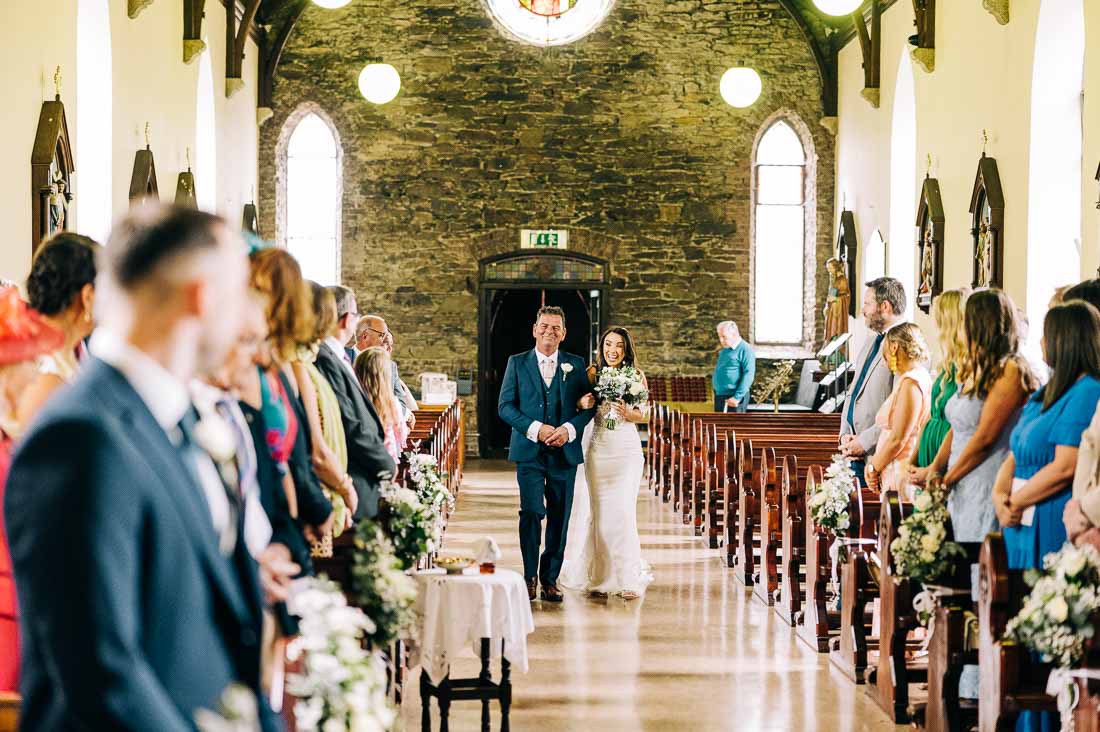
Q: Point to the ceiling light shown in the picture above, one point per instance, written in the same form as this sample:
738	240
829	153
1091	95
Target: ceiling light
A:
834	7
379	83
740	86
331	4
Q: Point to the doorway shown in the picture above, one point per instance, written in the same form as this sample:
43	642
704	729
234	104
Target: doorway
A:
510	297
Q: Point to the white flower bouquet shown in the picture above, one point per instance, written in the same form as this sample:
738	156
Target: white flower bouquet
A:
921	551
413	528
429	484
623	384
1056	617
382	590
341	686
828	503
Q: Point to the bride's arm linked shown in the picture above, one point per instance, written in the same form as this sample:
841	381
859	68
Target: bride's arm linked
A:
588	401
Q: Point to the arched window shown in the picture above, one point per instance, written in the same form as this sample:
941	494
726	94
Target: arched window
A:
206	138
779	240
1054	178
901	255
93	184
874	263
311	191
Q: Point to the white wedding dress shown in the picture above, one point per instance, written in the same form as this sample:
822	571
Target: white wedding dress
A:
602	550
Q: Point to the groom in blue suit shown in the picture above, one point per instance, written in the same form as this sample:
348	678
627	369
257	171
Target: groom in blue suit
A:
538	398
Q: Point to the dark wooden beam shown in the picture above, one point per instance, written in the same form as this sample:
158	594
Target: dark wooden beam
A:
824	58
870	45
924	18
282	20
193	44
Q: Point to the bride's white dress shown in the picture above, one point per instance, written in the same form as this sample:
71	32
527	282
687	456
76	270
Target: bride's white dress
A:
602	550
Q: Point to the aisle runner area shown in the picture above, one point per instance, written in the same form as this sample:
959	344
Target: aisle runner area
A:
697	653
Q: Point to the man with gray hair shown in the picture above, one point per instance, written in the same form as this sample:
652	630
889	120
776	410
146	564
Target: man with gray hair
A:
735	370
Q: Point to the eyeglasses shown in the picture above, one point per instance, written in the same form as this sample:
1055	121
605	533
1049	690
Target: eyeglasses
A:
363	333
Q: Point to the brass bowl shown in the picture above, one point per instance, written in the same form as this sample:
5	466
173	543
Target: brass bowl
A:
454	565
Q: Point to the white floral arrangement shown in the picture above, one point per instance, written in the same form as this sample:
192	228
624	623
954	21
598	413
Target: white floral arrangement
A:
428	482
624	384
1056	617
382	589
921	551
342	686
828	503
238	711
414	528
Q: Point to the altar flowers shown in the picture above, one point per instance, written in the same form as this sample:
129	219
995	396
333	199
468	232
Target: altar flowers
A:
623	384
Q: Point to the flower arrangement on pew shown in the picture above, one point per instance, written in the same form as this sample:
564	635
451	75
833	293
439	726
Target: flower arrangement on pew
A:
342	685
921	551
623	384
237	711
413	527
429	484
829	501
382	589
1056	617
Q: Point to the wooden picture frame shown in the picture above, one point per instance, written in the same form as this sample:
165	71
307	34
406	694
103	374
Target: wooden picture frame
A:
987	217
143	180
930	237
847	251
52	168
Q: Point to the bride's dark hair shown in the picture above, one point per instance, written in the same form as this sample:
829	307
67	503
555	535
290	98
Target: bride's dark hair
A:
629	354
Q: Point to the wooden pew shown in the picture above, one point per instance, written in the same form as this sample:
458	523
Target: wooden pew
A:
792	591
818	625
851	652
10	703
1011	681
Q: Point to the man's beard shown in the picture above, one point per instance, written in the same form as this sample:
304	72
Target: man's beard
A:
876	322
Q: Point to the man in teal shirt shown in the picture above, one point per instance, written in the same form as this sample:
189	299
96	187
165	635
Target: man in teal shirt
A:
735	370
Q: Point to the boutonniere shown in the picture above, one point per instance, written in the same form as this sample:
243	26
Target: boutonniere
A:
566	369
215	437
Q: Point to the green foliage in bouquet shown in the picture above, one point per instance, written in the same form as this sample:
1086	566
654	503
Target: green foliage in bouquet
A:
411	526
382	590
921	552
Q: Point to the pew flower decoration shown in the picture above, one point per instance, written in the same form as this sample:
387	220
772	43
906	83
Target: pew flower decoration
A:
341	685
237	711
829	500
922	552
413	527
1055	620
429	484
382	590
624	384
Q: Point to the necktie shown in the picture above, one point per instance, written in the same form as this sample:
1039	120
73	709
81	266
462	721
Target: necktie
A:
863	377
546	366
246	471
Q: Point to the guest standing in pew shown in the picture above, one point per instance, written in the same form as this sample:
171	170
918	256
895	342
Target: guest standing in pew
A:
24	335
948	310
330	448
368	460
735	370
1082	513
906	353
883	308
133	615
290	323
372	368
401	391
61	286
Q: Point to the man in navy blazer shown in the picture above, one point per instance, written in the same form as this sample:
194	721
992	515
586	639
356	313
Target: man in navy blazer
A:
139	601
538	398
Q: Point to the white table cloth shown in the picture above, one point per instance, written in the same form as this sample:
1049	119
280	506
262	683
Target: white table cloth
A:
455	612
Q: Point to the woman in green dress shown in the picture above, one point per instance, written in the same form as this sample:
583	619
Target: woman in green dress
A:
948	311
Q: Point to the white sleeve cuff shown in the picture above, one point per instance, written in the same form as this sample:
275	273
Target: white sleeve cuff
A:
571	430
533	431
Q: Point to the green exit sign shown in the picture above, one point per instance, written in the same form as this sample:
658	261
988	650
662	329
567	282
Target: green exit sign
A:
543	239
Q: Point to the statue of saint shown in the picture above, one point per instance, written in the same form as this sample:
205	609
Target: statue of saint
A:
59	203
927	268
838	301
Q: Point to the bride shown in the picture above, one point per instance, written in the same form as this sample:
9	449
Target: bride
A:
603	554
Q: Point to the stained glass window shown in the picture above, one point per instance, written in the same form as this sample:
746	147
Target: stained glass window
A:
549	22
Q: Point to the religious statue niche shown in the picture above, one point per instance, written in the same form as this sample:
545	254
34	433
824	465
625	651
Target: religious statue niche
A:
51	170
847	251
143	180
185	187
987	212
548	8
930	229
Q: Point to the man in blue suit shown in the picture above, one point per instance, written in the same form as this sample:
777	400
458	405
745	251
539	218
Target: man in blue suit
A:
538	398
139	601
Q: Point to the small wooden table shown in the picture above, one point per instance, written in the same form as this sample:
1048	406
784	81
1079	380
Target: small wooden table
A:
482	687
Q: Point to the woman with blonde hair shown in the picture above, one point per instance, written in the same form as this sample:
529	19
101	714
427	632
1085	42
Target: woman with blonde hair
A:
949	312
906	353
375	373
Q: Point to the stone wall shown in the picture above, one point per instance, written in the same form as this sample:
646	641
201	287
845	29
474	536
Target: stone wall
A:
621	138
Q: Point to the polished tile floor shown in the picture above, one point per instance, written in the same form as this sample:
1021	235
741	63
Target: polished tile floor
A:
697	653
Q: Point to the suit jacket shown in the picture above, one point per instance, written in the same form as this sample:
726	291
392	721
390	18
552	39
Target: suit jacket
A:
313	507
367	456
875	390
521	403
132	618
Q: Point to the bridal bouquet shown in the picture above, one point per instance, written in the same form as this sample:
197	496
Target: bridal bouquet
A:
411	526
623	384
921	551
1055	620
341	685
382	590
829	501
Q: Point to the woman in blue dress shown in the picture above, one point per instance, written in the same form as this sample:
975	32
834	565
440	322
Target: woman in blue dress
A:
1034	484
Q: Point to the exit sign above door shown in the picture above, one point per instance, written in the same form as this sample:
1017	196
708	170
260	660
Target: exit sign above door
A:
543	239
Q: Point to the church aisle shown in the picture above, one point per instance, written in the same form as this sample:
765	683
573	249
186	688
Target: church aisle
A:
697	653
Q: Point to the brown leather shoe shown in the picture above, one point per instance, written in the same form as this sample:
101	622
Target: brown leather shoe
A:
551	593
532	586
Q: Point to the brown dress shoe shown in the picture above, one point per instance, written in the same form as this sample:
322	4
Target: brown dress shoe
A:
551	593
532	586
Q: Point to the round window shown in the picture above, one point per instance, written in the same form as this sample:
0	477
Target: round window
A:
549	22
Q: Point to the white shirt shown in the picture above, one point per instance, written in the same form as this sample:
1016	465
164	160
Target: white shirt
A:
168	399
338	348
533	430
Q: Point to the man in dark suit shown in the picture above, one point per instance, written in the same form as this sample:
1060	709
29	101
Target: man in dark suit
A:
538	398
367	456
139	600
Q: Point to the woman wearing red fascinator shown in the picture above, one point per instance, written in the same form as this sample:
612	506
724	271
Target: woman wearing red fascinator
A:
23	337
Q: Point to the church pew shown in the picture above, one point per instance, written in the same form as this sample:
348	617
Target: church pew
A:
851	651
818	624
792	591
10	703
1011	681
